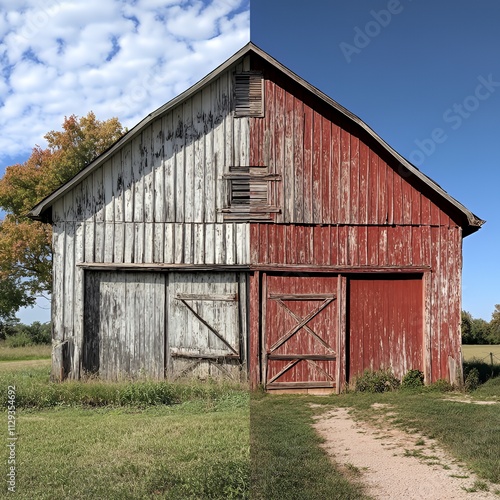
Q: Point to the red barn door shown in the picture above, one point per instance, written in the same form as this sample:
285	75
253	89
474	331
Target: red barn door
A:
385	315
299	332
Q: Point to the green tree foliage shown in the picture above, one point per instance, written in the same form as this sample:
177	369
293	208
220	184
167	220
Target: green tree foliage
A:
467	328
12	296
20	335
479	331
25	245
494	335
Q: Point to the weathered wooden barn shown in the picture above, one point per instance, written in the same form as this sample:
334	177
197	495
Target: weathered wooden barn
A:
254	228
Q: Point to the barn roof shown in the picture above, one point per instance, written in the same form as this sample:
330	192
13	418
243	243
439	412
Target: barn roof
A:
41	211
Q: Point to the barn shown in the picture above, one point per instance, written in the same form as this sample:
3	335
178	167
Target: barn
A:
254	229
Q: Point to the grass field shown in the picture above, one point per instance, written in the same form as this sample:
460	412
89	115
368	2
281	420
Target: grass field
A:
186	451
24	353
470	432
209	440
481	352
121	441
287	462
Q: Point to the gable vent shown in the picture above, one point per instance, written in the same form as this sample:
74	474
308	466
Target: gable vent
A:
249	94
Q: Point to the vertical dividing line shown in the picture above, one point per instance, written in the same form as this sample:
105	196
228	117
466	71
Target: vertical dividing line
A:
166	360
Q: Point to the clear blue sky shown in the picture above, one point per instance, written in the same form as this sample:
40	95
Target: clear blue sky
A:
408	67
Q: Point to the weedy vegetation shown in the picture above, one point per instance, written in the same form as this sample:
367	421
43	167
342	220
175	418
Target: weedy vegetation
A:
183	440
33	352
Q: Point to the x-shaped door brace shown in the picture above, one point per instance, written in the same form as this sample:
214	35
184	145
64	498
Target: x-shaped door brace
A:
228	298
302	322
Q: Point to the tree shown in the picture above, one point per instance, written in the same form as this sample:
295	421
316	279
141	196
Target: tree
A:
25	245
494	335
474	330
480	331
12	296
466	326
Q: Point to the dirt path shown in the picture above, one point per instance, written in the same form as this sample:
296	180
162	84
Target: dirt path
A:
390	462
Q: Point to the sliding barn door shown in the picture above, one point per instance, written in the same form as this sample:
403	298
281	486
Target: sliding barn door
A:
300	326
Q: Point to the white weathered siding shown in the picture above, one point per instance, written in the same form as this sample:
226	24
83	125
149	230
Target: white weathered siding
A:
156	200
124	324
200	304
155	324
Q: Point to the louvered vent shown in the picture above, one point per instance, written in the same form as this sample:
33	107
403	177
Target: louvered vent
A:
248	193
248	94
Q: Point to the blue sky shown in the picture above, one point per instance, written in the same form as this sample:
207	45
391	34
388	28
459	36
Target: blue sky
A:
425	75
411	69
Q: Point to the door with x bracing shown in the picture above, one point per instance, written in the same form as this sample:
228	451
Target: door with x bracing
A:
206	325
299	331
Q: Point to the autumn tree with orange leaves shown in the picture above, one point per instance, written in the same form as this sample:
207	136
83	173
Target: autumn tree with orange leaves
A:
25	245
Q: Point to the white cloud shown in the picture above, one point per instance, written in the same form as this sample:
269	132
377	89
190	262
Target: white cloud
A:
116	57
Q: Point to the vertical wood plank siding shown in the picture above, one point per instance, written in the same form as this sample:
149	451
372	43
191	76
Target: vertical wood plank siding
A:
366	246
344	203
166	189
331	174
124	325
385	324
156	200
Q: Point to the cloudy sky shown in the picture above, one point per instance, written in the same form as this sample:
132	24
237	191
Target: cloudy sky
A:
115	57
121	58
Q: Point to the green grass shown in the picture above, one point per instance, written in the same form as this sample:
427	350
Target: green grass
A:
192	450
33	390
481	352
489	390
151	439
287	462
129	439
24	353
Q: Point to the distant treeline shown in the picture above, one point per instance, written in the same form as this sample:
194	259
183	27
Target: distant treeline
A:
17	334
480	331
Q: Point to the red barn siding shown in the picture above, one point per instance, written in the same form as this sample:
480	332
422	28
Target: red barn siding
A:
385	324
346	207
307	356
330	173
352	249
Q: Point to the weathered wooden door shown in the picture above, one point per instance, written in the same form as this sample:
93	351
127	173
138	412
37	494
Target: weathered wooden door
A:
207	325
300	339
385	324
124	324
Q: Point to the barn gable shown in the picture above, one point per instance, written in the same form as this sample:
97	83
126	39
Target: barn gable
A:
272	232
